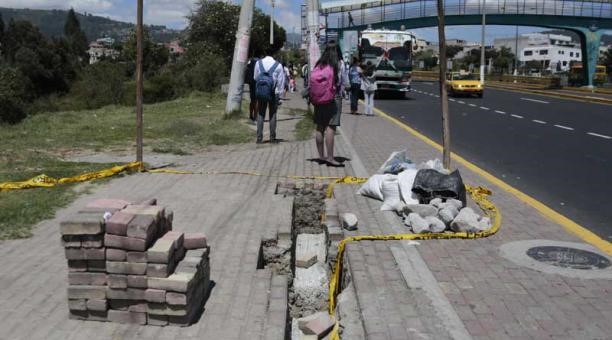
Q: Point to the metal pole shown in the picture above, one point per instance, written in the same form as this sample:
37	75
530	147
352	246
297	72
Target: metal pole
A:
313	36
272	24
516	52
443	95
241	54
482	47
139	82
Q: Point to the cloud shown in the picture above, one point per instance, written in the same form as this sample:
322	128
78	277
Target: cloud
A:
78	5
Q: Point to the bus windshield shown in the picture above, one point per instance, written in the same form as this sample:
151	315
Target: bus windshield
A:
400	56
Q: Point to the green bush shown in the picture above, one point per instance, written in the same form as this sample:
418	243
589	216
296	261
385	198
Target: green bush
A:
160	88
101	84
12	96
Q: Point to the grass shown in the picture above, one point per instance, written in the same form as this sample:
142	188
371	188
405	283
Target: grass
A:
34	147
305	127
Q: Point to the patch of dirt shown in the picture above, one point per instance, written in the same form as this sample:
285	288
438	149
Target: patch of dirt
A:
308	206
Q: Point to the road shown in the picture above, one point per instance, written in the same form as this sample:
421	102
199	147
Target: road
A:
555	150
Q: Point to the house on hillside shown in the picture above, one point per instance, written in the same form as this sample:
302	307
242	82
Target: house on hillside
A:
100	49
175	48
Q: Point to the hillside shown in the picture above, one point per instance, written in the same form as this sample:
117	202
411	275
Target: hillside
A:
51	24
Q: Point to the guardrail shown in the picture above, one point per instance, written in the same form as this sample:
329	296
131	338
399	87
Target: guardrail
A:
546	82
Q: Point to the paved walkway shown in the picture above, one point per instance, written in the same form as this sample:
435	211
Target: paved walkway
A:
436	290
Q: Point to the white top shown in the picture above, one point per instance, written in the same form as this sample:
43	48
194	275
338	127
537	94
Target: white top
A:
279	73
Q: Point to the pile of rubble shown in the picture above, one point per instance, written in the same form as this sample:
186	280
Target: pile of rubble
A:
439	216
125	264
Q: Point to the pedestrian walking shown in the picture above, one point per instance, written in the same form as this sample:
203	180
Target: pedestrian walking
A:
355	74
342	80
324	91
249	78
368	86
269	86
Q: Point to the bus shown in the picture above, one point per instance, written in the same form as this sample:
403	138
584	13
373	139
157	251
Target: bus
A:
390	52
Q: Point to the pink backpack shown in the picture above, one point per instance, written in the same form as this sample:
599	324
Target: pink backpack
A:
322	85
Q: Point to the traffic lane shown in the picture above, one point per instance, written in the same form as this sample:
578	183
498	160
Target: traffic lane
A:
593	119
568	174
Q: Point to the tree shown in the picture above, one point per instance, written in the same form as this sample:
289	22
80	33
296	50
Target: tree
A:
504	60
154	55
452	50
75	36
1	30
12	95
606	58
214	23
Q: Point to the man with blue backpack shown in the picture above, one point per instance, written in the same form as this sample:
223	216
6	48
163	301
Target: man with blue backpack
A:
269	86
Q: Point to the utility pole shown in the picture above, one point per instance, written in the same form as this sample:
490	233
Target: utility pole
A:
241	54
139	82
314	51
446	159
272	24
516	53
482	47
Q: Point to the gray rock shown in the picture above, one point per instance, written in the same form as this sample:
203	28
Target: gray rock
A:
448	214
419	225
423	210
436	202
457	203
466	221
484	224
349	221
435	224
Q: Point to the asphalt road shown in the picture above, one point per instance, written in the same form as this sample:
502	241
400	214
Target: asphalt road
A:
555	150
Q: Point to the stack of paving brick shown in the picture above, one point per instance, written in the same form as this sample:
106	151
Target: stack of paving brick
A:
122	258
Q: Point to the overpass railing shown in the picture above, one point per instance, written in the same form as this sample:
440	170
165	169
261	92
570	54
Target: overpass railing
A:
381	11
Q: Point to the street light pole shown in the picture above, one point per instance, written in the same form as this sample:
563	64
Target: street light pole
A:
139	80
241	54
313	33
516	52
482	47
272	24
446	159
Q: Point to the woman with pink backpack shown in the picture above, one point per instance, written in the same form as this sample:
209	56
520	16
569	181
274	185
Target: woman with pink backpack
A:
324	85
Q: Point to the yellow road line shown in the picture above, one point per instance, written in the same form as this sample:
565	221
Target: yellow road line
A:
556	217
584	99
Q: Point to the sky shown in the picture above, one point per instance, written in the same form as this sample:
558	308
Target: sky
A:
172	13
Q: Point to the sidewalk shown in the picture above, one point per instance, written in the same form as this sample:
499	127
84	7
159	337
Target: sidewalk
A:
435	290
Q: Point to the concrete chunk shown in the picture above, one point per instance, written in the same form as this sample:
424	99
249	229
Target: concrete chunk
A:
320	325
309	249
349	221
83	224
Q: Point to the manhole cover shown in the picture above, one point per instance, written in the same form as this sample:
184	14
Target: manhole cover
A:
568	257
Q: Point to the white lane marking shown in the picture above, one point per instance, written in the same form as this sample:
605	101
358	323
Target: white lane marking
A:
598	135
484	108
472	105
517	116
461	102
437	96
501	112
564	127
452	100
535	100
539	121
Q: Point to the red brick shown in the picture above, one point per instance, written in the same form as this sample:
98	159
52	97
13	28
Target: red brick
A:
318	324
137	256
138	306
142	226
127	317
137	281
85	278
155	295
173	298
175	236
126	294
97	305
92	241
118	223
194	240
96	266
159	270
77	266
122	242
161	251
113	254
117	281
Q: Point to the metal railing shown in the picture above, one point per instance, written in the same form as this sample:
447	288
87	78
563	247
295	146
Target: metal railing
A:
372	13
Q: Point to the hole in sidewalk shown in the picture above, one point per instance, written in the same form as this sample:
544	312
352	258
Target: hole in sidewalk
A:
566	257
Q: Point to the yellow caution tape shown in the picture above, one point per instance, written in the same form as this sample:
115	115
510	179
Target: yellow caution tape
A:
478	194
44	181
343	180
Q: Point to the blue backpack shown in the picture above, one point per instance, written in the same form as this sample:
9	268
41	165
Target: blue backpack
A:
354	75
264	86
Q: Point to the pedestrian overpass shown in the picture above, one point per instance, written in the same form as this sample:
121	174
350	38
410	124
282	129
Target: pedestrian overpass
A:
588	18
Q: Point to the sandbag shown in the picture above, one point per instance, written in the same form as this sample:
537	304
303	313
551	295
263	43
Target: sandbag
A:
406	181
430	184
396	163
391	194
373	187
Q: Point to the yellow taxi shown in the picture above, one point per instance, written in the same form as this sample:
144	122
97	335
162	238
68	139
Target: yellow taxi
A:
463	83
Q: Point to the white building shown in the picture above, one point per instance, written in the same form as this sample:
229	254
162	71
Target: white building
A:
554	51
98	50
